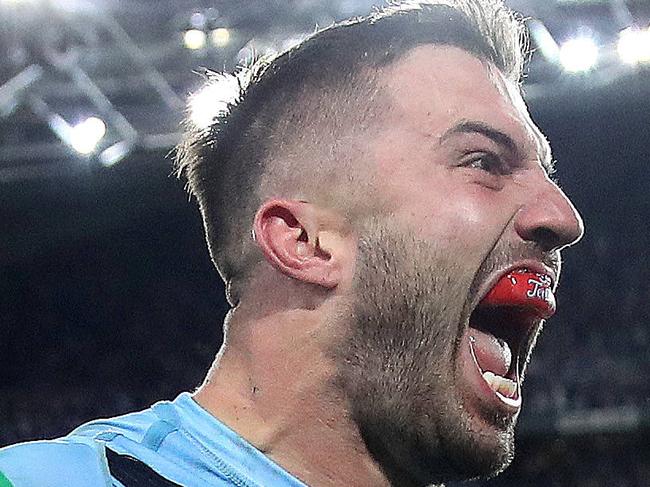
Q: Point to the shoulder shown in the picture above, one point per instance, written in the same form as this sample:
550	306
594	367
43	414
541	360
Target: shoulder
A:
78	459
77	462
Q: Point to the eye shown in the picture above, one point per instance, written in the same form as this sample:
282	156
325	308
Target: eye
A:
485	161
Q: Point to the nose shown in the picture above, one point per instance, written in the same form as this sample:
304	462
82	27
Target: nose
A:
548	218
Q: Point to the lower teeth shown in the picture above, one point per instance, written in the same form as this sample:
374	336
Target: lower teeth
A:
505	387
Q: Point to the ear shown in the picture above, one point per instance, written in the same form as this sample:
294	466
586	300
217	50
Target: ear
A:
290	234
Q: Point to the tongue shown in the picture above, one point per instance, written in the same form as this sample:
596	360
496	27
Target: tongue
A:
491	355
523	289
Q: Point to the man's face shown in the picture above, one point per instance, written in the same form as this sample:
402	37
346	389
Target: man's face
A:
465	197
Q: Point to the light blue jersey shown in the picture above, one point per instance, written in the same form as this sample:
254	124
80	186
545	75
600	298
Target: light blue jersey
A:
171	443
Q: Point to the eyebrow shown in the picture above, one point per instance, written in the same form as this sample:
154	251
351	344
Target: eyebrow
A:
499	138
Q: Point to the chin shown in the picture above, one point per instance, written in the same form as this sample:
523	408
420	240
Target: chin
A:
472	454
479	454
421	448
473	442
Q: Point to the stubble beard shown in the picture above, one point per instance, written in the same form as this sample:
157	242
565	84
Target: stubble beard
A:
398	365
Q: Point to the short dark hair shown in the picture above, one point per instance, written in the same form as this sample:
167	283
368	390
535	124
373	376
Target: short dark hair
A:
281	133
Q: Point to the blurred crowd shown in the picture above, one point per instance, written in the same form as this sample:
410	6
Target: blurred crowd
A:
106	327
593	460
596	353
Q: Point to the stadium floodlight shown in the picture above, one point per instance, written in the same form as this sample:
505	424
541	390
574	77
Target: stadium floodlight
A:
544	40
220	37
634	45
197	20
213	100
115	153
579	55
85	136
194	39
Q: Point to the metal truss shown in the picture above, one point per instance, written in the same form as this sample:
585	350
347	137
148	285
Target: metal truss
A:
123	61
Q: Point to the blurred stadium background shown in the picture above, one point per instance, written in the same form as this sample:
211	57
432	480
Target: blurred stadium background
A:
108	300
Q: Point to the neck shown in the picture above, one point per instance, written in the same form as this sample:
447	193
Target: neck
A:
273	385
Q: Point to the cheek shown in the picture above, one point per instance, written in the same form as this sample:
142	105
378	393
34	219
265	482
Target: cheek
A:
457	219
435	202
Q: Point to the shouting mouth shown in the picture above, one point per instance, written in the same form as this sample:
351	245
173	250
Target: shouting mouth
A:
502	332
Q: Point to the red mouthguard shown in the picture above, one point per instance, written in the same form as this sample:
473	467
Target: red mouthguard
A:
524	289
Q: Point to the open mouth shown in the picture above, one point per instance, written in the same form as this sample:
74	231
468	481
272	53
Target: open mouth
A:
503	327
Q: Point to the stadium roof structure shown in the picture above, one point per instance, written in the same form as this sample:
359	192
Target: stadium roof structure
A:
120	71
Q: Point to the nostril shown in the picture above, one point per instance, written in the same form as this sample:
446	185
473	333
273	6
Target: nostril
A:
546	238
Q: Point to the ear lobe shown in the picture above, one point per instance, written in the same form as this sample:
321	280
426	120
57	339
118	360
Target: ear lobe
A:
287	234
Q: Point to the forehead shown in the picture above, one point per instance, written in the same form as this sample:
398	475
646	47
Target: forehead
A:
433	87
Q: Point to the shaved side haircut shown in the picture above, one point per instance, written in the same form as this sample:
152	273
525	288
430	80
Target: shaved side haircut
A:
293	128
